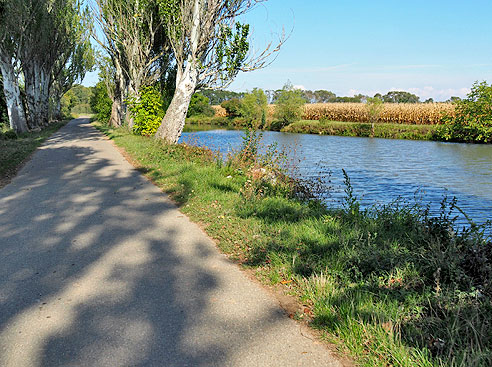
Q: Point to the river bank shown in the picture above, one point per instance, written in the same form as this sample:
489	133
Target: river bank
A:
324	127
391	285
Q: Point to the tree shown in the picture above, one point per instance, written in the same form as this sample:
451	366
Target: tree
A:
210	47
12	26
254	107
200	105
78	58
288	108
131	29
472	122
100	102
400	97
217	96
374	108
324	96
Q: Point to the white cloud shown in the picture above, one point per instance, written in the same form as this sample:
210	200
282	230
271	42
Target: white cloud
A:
300	87
439	94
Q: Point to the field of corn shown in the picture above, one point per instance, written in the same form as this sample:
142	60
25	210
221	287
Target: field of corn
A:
395	113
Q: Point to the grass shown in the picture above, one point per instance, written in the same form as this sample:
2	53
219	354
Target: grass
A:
390	286
381	130
16	150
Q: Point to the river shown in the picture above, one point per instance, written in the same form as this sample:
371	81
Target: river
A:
381	170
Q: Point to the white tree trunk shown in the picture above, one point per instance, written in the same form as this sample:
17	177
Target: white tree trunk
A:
15	109
173	122
44	100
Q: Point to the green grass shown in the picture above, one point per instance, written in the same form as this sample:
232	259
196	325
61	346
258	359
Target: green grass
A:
381	130
390	286
13	152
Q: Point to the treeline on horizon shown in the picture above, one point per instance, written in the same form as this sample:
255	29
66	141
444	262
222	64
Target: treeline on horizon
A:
216	97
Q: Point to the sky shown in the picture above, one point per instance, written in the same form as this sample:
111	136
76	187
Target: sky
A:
435	49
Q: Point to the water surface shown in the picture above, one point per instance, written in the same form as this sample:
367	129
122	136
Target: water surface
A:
382	170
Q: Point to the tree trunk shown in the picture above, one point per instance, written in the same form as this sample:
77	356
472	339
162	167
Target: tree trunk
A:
44	100
173	122
33	93
15	109
116	114
56	114
186	80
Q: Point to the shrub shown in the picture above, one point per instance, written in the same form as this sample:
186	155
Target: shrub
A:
146	111
100	102
199	105
9	135
473	120
232	107
254	108
289	105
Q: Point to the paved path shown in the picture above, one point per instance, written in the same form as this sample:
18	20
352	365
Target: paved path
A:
98	268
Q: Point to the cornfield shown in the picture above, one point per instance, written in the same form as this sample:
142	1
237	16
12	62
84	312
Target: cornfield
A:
396	113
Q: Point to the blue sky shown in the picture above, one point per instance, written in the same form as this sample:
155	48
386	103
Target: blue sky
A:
432	48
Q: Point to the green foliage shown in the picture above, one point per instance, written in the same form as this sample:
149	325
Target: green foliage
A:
254	108
374	108
77	99
231	50
473	120
218	96
8	135
400	97
232	107
100	102
289	105
199	105
146	111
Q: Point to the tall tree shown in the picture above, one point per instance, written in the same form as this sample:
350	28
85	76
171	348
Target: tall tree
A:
12	26
210	47
130	30
76	60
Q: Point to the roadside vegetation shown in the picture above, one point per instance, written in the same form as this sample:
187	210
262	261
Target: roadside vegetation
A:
391	285
16	148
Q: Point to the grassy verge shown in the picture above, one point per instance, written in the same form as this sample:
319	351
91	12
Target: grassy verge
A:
391	286
381	130
15	149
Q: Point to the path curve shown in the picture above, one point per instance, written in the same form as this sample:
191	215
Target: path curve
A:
99	268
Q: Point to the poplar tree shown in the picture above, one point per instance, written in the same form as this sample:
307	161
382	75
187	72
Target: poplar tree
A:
210	47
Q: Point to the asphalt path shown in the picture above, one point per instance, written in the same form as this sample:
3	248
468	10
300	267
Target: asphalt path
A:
99	268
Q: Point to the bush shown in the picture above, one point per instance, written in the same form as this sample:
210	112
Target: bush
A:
289	105
8	135
100	102
146	111
232	107
254	108
199	105
473	120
